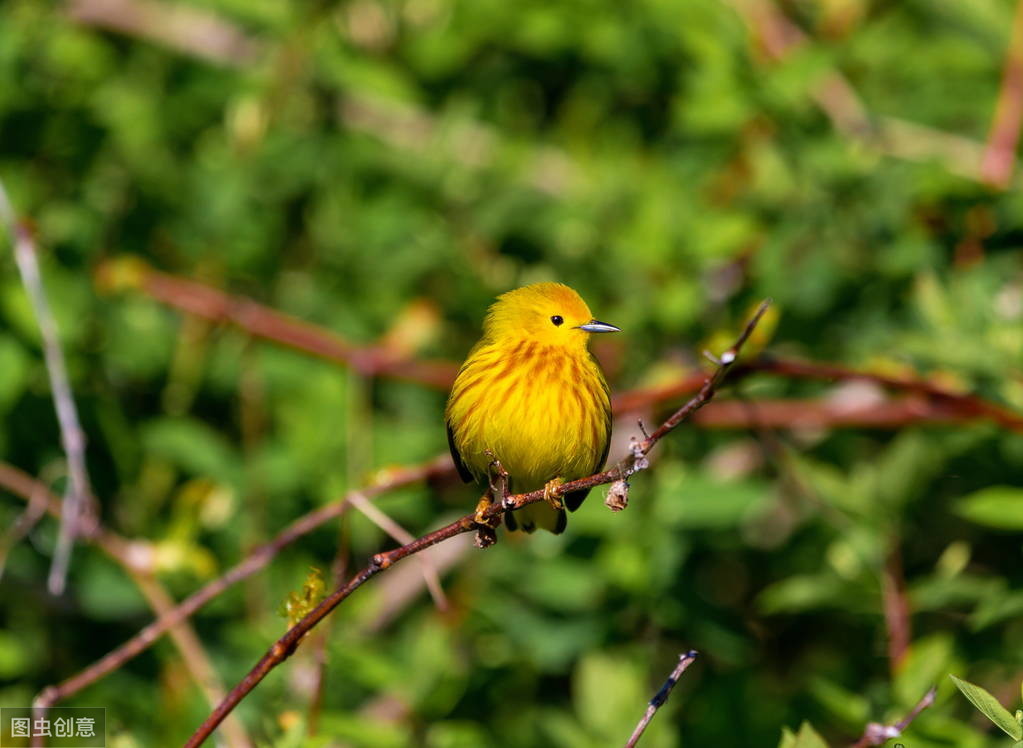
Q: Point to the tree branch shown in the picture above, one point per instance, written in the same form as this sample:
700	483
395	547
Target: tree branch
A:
286	645
684	661
825	413
953	402
261	321
940	405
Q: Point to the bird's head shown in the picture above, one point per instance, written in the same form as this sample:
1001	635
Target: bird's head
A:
548	313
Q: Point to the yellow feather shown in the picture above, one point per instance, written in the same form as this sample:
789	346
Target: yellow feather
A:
531	393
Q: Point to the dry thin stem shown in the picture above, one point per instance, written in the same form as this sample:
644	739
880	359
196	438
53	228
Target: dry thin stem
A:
399	533
77	498
286	645
1000	154
684	661
878	734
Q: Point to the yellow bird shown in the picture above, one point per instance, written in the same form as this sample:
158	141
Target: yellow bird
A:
530	395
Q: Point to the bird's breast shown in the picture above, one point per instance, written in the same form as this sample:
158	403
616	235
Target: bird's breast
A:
542	412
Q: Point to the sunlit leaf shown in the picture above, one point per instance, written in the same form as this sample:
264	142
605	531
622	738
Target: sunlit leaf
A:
990	708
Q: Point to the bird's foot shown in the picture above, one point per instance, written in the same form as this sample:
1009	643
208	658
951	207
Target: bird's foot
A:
552	491
480	518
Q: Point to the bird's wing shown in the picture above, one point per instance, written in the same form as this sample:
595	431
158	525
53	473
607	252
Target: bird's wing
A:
463	470
575	499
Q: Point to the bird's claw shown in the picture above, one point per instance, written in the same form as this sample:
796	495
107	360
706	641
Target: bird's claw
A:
481	509
551	491
480	518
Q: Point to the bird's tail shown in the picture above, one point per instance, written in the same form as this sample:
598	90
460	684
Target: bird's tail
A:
539	514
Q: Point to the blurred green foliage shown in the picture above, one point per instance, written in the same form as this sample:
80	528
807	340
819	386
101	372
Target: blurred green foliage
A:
388	167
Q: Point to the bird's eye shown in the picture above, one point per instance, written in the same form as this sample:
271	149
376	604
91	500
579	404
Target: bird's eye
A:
557	319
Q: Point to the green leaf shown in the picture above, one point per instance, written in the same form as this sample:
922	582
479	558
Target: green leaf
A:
990	708
998	506
807	737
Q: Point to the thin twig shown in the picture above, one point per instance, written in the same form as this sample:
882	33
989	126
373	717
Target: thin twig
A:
77	498
1000	155
878	734
252	563
399	533
684	661
286	645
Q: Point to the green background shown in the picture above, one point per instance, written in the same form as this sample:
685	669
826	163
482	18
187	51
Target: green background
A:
388	168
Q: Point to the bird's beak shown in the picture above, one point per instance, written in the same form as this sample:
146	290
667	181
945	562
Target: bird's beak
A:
597	326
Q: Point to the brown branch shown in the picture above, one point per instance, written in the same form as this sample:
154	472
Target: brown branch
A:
1000	155
878	734
286	645
684	661
252	563
261	321
822	414
953	405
